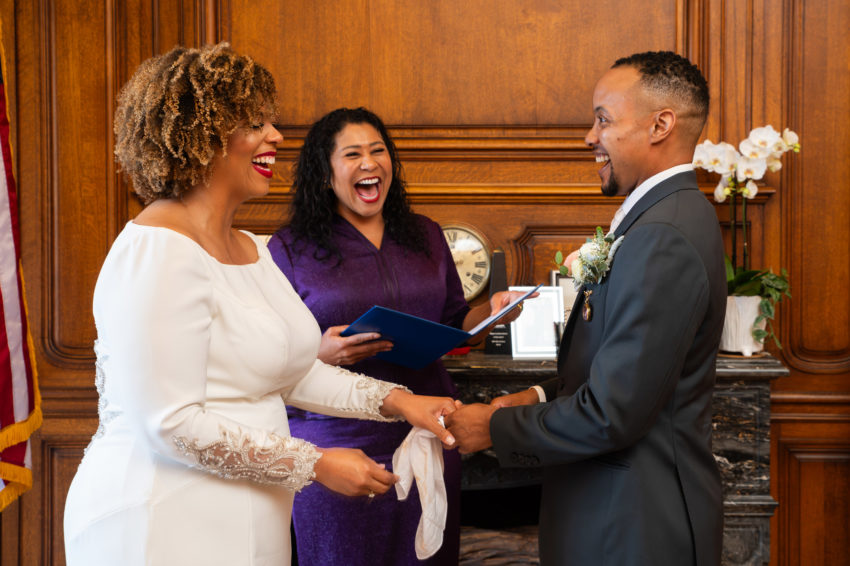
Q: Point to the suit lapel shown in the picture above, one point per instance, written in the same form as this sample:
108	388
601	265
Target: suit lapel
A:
681	181
686	180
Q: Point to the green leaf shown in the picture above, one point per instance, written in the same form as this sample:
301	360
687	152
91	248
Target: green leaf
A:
748	289
730	271
759	334
559	257
766	308
749	275
774	281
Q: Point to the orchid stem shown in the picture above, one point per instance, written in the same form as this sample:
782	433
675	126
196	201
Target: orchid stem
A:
746	259
733	221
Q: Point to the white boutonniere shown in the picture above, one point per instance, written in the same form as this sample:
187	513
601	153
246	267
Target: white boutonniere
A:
593	260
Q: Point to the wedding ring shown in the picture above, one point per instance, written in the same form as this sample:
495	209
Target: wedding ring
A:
371	495
520	306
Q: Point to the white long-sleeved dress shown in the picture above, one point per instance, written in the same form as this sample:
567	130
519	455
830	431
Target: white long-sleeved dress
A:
193	462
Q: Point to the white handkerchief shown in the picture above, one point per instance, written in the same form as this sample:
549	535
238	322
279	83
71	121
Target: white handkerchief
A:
420	456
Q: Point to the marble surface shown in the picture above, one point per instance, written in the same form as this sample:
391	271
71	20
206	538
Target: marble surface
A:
741	440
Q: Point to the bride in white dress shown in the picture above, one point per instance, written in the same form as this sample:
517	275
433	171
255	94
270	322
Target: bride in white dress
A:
201	342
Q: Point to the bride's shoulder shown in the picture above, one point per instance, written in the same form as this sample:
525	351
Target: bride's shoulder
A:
166	213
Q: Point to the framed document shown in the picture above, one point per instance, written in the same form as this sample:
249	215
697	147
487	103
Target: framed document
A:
568	288
534	334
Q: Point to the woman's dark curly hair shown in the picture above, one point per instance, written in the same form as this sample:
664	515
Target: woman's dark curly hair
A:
179	109
314	203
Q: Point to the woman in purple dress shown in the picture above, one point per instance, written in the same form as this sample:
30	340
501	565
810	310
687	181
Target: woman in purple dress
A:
353	242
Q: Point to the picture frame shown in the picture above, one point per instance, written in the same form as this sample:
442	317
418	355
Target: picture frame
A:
535	334
567	285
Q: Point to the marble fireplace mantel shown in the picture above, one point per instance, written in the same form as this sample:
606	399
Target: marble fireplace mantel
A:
741	439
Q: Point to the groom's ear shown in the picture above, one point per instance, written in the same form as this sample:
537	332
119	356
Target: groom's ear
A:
663	122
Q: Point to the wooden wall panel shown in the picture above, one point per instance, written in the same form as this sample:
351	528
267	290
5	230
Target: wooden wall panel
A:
810	467
821	210
77	151
445	63
489	104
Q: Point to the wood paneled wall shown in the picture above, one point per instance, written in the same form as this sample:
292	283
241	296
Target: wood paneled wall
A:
489	102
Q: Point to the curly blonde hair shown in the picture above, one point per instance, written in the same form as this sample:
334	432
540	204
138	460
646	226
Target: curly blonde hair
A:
179	109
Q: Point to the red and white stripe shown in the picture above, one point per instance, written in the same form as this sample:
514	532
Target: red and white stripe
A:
20	413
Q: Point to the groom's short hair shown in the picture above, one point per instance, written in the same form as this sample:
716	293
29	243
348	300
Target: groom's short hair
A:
674	80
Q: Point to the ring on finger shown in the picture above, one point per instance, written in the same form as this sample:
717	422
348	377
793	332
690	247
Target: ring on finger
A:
371	495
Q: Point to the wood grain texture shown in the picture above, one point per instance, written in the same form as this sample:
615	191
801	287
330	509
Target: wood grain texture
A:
821	210
445	63
810	471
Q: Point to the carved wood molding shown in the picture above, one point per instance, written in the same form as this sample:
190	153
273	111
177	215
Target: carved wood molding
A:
810	471
799	253
56	149
57	450
535	236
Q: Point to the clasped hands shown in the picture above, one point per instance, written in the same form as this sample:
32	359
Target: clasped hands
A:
470	424
467	428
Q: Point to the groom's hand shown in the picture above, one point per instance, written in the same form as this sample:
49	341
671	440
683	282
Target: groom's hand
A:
527	397
470	425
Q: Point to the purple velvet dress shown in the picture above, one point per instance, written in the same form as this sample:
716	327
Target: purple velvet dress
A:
331	529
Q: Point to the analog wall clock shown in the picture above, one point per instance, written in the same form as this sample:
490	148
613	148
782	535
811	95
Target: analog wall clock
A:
471	256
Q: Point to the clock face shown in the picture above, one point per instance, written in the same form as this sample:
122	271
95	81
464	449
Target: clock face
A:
471	256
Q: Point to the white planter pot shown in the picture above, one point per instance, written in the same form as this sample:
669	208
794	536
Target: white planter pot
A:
737	335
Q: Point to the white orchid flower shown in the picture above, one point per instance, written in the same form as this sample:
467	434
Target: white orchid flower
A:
791	139
720	190
723	158
702	155
750	190
767	138
753	151
750	168
773	164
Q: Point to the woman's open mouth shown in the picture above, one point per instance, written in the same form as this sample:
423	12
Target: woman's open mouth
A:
368	189
263	163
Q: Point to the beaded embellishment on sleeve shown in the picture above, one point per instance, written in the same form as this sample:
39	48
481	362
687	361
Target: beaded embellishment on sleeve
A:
288	462
375	391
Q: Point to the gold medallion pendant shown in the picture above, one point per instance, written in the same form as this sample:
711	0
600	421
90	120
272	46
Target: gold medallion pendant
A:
586	312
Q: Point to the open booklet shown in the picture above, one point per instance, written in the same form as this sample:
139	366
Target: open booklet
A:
416	341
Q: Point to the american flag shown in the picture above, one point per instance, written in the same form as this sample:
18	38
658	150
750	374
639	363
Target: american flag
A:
20	403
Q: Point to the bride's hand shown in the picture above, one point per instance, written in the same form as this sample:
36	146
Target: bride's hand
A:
351	472
421	410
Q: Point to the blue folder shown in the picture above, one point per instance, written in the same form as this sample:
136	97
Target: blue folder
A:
417	341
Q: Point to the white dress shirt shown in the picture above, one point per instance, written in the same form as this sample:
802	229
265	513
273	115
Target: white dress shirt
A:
642	189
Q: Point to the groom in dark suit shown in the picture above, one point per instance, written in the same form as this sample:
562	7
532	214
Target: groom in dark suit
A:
624	433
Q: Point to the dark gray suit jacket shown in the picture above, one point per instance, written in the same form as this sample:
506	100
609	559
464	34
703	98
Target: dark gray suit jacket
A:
625	442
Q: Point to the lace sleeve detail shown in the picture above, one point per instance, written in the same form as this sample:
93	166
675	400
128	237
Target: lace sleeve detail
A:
375	390
287	462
